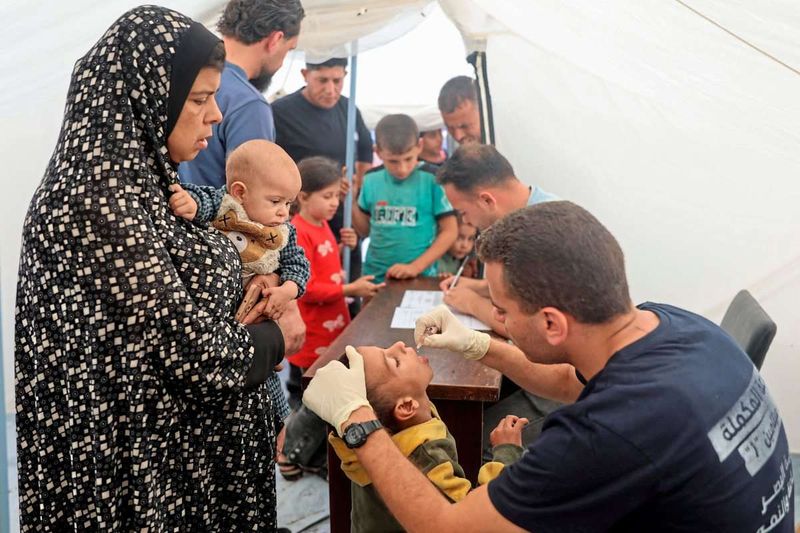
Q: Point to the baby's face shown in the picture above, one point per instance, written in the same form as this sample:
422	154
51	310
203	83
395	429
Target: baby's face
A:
397	368
268	201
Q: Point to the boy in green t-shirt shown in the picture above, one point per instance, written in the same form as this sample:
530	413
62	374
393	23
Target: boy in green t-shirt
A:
401	207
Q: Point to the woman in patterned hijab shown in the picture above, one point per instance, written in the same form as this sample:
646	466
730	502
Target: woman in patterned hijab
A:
140	401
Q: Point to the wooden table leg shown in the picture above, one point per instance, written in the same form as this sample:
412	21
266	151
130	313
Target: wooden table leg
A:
338	494
464	419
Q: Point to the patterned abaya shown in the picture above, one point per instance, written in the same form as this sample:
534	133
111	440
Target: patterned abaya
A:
137	402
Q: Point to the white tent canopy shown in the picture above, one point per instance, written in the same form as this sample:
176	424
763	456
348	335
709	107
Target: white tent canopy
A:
676	123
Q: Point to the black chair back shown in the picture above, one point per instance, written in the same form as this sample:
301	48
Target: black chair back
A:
751	327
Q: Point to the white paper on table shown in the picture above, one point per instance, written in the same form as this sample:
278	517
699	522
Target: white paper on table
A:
421	299
406	317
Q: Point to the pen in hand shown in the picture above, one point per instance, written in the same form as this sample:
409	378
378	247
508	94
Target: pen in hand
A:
459	271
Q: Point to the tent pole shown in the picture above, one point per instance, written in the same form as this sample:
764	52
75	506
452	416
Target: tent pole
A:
350	152
478	62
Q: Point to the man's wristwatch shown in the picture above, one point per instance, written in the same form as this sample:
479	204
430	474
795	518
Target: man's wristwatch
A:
355	435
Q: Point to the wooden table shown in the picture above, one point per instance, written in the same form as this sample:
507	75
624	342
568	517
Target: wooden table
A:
459	387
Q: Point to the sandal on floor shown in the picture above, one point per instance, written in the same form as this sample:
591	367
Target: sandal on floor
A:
289	471
321	471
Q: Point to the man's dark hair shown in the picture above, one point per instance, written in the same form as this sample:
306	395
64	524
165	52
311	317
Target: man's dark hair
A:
557	254
249	21
475	165
318	172
217	58
396	133
332	62
455	91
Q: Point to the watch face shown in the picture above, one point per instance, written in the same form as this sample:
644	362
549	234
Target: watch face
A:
354	435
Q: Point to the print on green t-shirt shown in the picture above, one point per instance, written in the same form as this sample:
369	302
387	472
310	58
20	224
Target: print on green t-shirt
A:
403	218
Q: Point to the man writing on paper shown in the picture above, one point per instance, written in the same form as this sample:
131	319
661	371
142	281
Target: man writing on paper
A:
481	186
673	429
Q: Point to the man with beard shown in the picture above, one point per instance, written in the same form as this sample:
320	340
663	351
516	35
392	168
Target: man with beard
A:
257	34
313	121
458	104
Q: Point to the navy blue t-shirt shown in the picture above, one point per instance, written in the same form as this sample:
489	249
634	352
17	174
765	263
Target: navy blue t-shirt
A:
677	433
305	130
246	116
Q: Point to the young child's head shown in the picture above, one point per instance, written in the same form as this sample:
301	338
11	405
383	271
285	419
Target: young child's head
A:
465	241
264	179
319	196
398	144
396	379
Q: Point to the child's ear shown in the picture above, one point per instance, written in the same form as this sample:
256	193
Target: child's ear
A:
237	189
405	408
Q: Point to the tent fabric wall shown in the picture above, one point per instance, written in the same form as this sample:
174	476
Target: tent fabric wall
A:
680	138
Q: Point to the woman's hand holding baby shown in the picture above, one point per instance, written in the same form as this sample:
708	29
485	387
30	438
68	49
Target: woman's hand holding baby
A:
508	431
251	309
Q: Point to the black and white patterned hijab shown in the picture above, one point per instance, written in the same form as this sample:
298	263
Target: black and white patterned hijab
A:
130	368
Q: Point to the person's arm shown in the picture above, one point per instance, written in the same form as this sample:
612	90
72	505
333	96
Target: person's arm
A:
363	149
292	328
416	503
361	214
481	286
208	201
447	235
269	348
467	301
361	169
293	263
555	382
506	440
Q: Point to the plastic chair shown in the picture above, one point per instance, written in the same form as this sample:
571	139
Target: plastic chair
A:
750	326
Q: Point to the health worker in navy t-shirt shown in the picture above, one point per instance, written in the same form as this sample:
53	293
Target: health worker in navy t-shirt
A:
670	427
